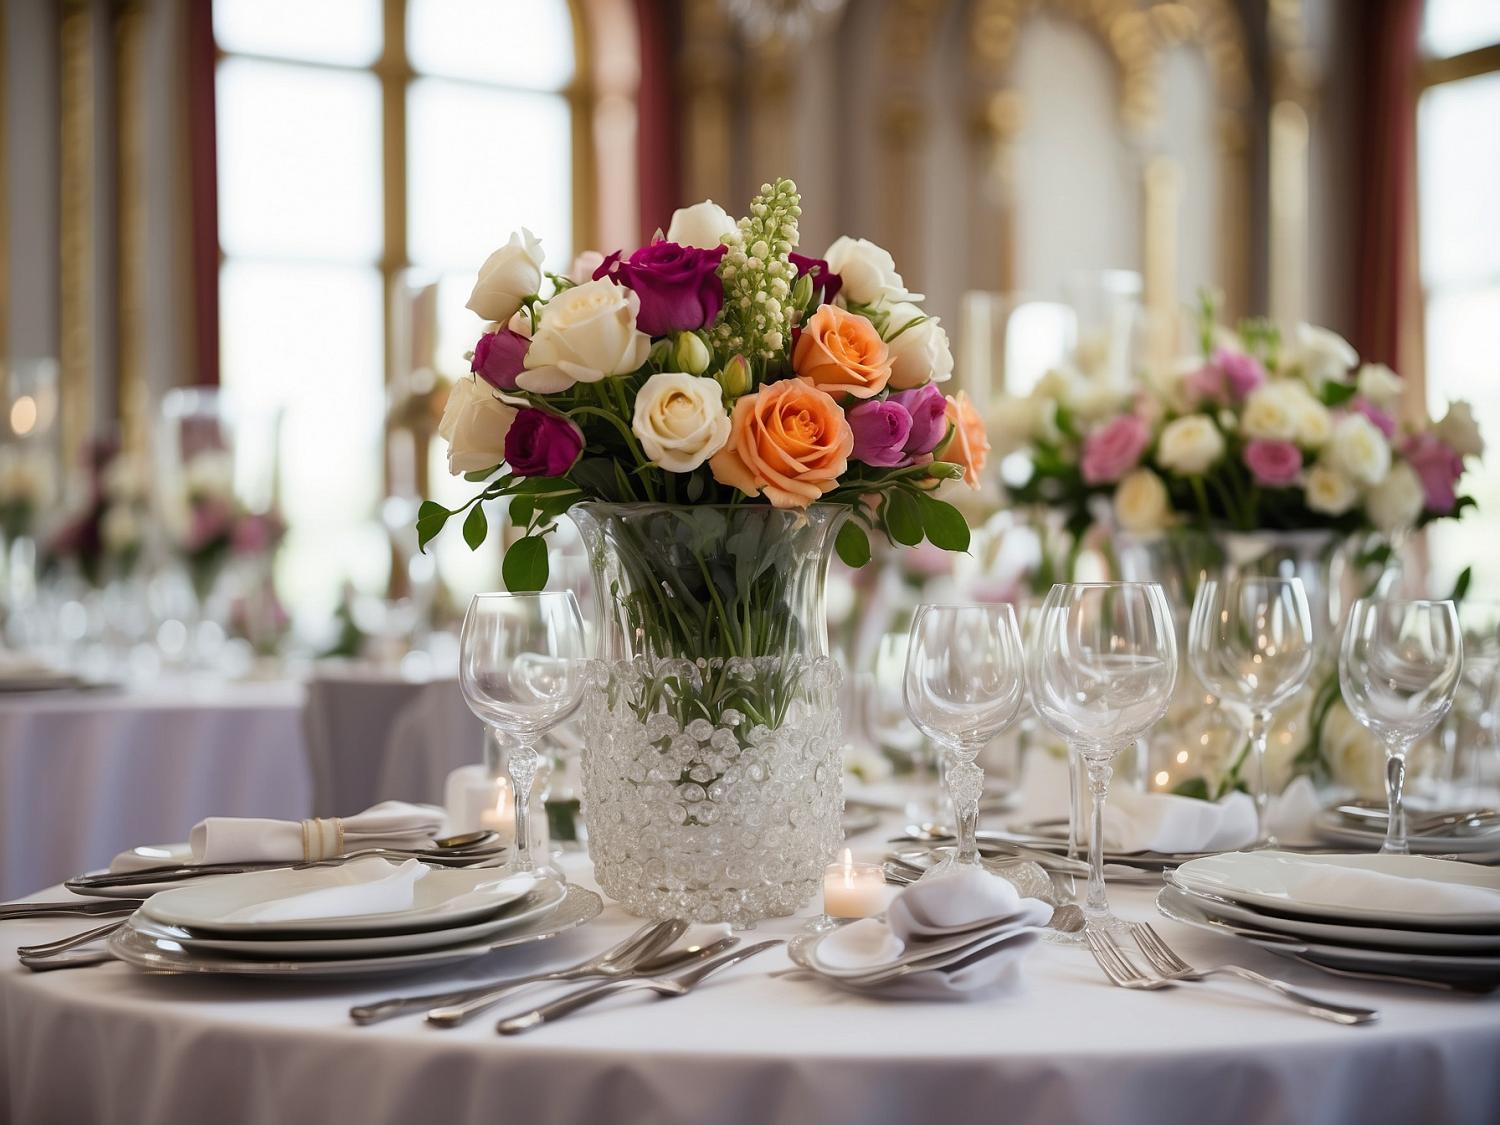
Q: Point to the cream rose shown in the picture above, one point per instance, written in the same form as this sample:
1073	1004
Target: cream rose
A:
119	530
586	333
1141	503
1459	432
474	425
868	272
508	276
210	474
1397	501
584	266
1310	418
680	420
1379	384
1190	446
919	353
1329	491
703	225
1359	450
1321	355
1271	412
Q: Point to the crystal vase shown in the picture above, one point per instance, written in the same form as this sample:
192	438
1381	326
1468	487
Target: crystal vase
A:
711	764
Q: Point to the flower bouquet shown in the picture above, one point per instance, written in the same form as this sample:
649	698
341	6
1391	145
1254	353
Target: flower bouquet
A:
218	527
715	412
105	536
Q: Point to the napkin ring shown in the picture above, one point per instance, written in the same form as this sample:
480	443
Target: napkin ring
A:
315	843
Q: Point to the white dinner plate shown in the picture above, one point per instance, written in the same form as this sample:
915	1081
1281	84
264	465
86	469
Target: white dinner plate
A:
443	896
1052	836
161	956
1333	827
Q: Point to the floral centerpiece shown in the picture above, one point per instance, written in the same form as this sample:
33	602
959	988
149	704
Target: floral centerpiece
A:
216	526
25	490
715	411
105	534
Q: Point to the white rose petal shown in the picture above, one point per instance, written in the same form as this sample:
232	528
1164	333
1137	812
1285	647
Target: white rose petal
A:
703	225
1359	450
1396	502
119	530
868	272
1321	355
680	420
586	333
1190	446
1329	491
1379	384
210	475
474	424
508	276
1459	432
584	266
919	354
1141	503
1271	412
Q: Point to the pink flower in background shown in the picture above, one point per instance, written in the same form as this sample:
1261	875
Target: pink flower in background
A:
881	428
210	521
826	283
679	286
253	535
1274	464
1228	377
1114	449
1383	421
929	417
539	444
499	357
1438	467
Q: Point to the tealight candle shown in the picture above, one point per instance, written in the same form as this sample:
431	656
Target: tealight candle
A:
500	816
853	890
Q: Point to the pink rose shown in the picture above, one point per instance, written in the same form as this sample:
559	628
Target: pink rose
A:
539	444
1438	467
1274	464
1228	377
679	286
499	357
1383	421
1114	449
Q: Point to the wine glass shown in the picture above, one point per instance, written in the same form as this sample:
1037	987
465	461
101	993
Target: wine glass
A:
964	685
522	669
1250	642
1101	674
1477	736
1399	667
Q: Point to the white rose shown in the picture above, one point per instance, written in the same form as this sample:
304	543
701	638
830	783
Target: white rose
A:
1459	432
680	420
1359	450
868	272
919	354
1141	502
1396	502
1190	446
703	225
1271	412
474	425
1311	421
586	333
210	475
1322	355
584	266
125	479
1355	756
119	530
1379	384
1329	491
508	276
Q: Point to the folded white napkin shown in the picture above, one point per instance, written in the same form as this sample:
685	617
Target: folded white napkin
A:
866	944
363	886
390	824
937	905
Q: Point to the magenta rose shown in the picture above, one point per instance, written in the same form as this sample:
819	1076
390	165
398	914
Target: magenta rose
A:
881	428
499	357
929	418
1382	421
1228	377
1438	467
1114	449
679	286
1274	464
540	444
826	283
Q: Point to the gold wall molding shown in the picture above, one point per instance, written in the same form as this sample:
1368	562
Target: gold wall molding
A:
76	234
708	73
133	402
1293	98
4	216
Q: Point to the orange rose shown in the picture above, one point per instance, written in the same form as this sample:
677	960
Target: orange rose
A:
788	440
841	353
970	445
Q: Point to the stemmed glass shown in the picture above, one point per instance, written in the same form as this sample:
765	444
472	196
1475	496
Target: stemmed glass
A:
1250	642
1101	675
522	665
1399	667
964	685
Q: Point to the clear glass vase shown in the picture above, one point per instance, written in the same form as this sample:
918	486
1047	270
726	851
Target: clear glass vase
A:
711	764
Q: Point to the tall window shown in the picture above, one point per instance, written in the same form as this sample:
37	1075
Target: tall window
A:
1458	166
328	203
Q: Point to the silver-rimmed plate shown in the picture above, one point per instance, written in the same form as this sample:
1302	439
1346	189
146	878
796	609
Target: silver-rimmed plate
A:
1052	836
1480	847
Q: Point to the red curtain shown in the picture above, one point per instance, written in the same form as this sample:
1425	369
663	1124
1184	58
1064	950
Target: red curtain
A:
1385	39
203	189
656	132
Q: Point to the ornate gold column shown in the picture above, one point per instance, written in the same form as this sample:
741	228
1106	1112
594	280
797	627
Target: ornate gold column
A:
771	79
1292	97
581	93
130	172
76	235
1163	182
707	78
394	73
4	221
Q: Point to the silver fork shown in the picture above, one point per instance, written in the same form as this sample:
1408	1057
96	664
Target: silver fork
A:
28	953
1173	967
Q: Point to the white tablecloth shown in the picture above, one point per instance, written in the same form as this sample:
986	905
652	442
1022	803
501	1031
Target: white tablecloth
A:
109	1044
84	775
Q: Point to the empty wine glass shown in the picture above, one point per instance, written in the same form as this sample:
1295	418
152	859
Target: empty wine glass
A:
1250	642
522	668
1029	611
964	685
1399	667
1101	675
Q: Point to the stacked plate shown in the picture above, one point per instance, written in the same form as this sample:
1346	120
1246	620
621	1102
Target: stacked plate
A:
1473	834
297	922
1415	919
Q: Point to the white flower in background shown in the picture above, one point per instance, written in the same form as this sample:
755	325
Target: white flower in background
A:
703	225
508	276
1141	503
210	475
474	425
1329	491
1355	756
586	333
126	479
120	530
1397	501
1311	420
1379	384
868	272
1459	432
1190	446
24	477
866	765
1321	355
583	268
1271	412
680	420
920	353
1359	450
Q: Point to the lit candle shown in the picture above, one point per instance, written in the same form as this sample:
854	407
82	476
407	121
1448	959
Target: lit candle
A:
853	890
501	815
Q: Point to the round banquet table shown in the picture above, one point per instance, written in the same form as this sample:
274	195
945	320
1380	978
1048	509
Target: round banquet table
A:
86	774
749	1047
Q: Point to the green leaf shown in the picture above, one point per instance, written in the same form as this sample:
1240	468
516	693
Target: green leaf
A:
476	527
945	470
853	545
521	509
525	567
945	525
431	517
480	474
1461	587
1192	787
1336	394
903	519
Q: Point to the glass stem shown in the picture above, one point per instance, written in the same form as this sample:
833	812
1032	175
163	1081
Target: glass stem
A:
1096	904
1260	727
522	768
965	784
1395	785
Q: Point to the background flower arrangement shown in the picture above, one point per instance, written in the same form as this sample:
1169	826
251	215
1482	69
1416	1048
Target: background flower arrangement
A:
105	534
